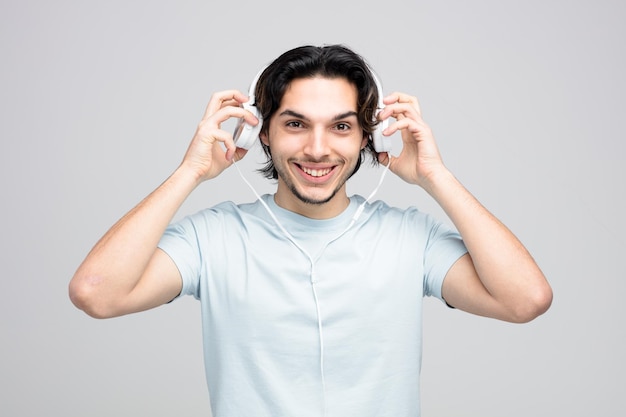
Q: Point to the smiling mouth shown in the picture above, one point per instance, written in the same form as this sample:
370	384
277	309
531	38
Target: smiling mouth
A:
316	172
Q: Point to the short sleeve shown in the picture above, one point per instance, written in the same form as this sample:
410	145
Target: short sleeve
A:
443	248
180	242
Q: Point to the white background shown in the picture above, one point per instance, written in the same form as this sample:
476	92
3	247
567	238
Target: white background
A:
99	99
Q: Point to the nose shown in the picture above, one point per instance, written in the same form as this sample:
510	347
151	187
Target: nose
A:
316	145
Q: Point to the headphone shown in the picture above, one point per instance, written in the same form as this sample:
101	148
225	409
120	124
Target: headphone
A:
246	135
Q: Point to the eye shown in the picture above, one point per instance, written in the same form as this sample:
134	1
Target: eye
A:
342	127
294	124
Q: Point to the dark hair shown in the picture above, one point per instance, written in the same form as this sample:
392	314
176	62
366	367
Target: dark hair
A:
329	61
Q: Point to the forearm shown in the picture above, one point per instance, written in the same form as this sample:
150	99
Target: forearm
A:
116	263
504	266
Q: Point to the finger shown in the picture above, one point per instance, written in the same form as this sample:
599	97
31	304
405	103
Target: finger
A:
222	143
399	111
398	97
221	115
239	154
407	124
226	144
218	99
384	158
230	103
234	153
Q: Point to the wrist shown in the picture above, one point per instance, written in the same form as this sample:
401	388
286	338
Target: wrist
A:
188	173
439	180
185	177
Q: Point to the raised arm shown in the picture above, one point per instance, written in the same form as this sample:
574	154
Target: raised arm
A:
498	278
125	272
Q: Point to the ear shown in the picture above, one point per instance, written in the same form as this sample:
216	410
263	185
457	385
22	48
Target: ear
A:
264	140
364	142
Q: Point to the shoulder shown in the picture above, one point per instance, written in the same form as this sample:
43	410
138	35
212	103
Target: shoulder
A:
224	211
382	211
379	214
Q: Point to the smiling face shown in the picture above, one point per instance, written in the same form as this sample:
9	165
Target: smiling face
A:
315	141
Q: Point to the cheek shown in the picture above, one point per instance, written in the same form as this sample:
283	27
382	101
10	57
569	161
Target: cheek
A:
355	145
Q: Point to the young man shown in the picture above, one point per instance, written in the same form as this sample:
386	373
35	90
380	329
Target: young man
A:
311	299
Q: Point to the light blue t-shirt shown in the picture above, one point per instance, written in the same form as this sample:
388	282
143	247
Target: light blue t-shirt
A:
327	324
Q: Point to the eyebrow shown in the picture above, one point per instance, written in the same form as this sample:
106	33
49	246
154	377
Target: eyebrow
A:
303	117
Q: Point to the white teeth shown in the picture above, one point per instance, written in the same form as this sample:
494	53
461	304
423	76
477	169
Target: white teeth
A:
316	172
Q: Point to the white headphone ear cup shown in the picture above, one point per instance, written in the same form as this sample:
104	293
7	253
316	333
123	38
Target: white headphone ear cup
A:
381	143
246	135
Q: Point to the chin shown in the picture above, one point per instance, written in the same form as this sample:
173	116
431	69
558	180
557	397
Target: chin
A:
313	199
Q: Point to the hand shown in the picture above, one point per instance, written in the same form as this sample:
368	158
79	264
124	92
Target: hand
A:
205	157
419	159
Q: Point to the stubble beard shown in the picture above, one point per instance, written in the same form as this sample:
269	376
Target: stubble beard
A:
291	185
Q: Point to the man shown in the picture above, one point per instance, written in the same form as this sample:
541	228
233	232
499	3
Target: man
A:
311	299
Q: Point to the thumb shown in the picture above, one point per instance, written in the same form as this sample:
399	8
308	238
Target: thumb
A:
384	158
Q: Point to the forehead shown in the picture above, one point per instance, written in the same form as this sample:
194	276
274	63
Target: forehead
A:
319	95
